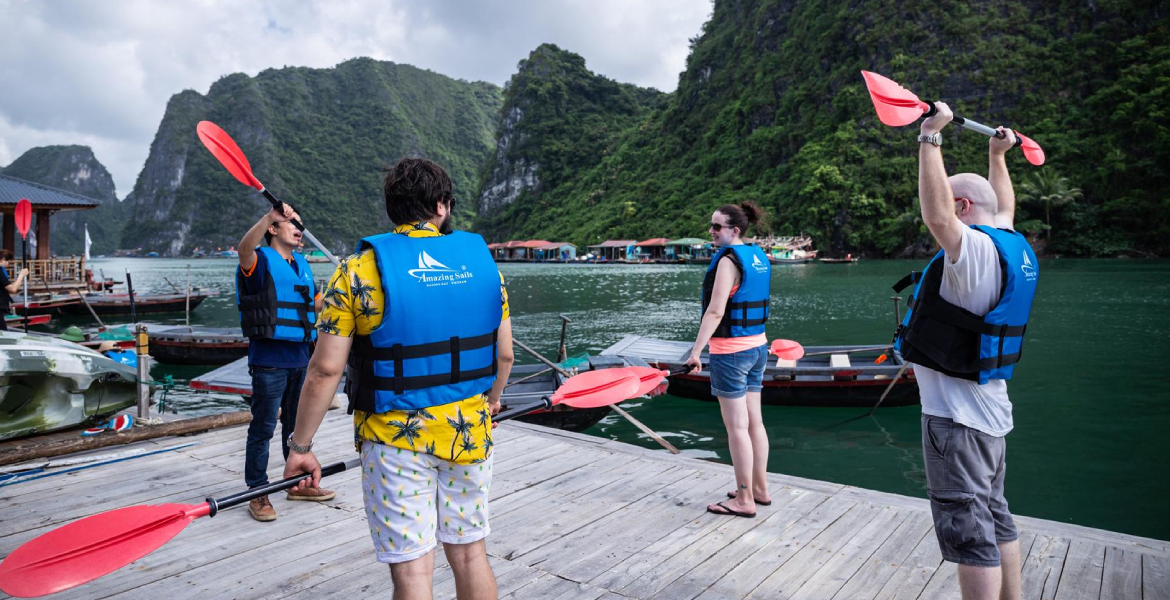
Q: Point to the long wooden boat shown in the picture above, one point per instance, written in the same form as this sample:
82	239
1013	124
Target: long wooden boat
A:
198	345
56	304
119	304
834	261
829	376
528	383
17	321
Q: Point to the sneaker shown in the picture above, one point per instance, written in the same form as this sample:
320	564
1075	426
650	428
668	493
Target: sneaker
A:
261	509
312	494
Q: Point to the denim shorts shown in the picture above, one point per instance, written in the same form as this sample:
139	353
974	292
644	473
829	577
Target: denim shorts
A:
734	375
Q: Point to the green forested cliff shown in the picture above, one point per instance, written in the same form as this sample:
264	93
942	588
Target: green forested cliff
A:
318	138
75	169
772	107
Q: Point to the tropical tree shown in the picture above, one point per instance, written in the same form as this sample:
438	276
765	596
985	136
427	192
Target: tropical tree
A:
1047	188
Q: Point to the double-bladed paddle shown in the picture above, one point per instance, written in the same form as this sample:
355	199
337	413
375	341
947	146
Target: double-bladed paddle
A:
897	106
97	545
224	149
23	222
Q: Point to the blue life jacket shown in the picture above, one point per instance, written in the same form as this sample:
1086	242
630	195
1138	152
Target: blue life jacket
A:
747	309
284	308
957	342
437	340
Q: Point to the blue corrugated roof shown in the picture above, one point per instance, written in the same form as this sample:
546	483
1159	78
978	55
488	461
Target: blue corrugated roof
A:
13	189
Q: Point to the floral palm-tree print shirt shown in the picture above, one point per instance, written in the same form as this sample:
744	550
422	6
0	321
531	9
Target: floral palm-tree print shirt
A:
461	431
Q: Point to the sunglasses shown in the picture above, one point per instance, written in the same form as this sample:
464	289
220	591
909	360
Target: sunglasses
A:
452	201
716	227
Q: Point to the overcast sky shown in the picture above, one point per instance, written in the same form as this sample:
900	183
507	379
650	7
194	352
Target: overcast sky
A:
100	73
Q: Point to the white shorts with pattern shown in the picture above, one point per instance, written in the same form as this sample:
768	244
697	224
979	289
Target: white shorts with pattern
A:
412	497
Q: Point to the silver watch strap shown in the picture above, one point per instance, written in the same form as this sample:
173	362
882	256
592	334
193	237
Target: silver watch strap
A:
297	448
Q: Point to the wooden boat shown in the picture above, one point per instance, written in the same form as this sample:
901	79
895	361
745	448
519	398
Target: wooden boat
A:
119	304
198	345
47	384
527	383
834	261
56	304
829	376
17	321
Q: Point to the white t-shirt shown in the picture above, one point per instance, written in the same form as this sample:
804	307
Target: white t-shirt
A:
973	282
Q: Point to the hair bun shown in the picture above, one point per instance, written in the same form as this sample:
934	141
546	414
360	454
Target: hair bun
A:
751	211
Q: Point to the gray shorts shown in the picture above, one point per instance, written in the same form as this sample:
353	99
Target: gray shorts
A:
964	477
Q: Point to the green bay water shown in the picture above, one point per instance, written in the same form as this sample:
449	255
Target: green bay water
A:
1090	397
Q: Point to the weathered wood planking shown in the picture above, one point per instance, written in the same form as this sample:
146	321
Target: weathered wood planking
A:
572	517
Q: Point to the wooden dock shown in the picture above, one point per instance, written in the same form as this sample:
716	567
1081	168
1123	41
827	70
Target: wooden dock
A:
573	517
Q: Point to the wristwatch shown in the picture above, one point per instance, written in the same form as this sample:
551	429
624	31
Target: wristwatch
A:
297	448
935	138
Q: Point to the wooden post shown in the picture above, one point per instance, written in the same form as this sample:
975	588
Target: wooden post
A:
43	234
10	232
189	298
142	349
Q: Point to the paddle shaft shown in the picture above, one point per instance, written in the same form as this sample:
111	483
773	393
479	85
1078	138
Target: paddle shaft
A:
279	206
24	253
973	126
889	387
91	310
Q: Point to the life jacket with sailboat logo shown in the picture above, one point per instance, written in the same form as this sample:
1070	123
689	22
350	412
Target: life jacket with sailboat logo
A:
284	308
957	342
747	309
437	340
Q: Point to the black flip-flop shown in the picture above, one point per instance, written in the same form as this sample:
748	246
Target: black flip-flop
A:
730	512
760	502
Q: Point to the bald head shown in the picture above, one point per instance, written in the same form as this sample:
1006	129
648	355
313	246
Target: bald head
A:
978	190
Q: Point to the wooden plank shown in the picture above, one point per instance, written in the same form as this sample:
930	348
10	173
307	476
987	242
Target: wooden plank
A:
840	561
913	574
1122	574
944	584
881	566
624	532
1080	578
1042	567
551	586
783	564
740	567
1155	577
679	542
689	572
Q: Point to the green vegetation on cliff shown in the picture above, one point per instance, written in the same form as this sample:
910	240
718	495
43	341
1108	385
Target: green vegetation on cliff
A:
772	108
318	138
75	169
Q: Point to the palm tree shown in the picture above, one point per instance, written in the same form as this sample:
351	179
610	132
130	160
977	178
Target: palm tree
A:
366	310
359	289
334	296
465	444
1047	188
409	429
460	425
327	325
421	413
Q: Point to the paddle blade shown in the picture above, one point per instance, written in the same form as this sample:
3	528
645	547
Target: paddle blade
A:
224	149
602	387
23	216
91	547
648	378
1032	151
786	349
895	105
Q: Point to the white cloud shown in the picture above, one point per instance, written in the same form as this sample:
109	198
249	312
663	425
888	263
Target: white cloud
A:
100	73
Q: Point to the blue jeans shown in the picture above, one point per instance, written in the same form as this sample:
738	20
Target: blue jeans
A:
734	375
275	390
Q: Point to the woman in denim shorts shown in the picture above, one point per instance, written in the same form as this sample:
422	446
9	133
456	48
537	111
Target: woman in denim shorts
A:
735	308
